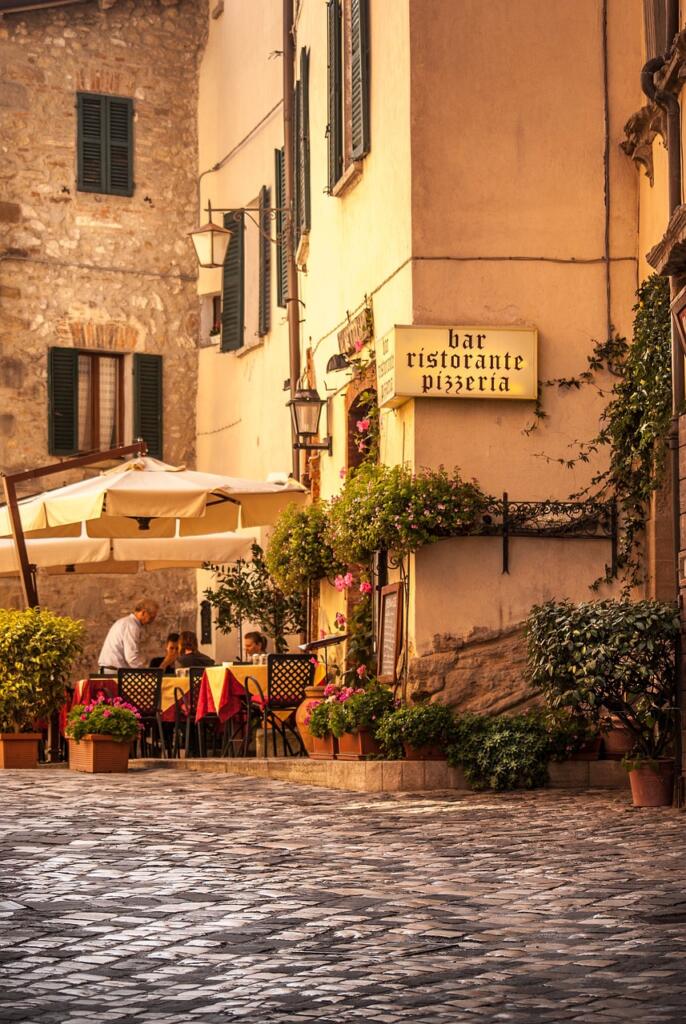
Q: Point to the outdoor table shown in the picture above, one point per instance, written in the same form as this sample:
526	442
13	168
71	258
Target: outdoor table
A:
223	687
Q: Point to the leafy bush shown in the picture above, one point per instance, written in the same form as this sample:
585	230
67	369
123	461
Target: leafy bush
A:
502	752
113	718
246	591
609	657
298	553
387	508
416	726
363	709
37	650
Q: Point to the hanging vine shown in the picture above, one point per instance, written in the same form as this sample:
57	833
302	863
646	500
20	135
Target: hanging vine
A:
634	423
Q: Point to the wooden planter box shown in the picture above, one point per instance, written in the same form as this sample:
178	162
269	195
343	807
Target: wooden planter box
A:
356	746
98	753
19	749
324	749
429	752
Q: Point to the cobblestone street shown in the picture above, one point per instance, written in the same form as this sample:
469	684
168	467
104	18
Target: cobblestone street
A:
173	899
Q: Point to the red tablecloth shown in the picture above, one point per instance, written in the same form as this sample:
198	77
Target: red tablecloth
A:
229	703
85	691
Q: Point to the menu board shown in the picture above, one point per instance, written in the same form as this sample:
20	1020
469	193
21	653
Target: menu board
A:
390	632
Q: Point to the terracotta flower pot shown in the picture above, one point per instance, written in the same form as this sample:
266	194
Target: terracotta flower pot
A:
356	746
311	693
652	784
19	749
427	752
618	742
324	749
99	753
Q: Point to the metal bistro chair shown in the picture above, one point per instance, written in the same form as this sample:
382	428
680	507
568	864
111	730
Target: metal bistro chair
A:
142	687
288	675
186	729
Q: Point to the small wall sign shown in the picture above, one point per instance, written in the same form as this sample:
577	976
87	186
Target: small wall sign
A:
457	362
389	640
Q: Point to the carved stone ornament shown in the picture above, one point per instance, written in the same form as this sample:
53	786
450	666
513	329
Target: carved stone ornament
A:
669	255
640	131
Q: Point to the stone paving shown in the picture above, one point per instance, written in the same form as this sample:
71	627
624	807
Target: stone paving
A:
166	898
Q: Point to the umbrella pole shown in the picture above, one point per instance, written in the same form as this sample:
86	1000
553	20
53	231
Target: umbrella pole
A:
9	484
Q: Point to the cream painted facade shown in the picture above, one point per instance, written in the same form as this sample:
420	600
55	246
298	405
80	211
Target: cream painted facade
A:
494	193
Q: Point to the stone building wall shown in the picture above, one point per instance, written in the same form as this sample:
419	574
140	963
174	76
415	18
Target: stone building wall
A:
93	271
484	672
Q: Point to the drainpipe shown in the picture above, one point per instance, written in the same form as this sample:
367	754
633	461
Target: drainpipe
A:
672	20
292	301
670	104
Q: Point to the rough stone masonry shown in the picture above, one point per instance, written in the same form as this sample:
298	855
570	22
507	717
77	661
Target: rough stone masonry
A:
98	272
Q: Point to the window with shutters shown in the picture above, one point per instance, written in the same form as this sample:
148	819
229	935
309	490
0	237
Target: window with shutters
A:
86	401
281	264
348	87
233	284
301	149
104	144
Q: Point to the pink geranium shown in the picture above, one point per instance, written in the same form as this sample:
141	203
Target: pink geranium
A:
340	620
365	587
363	425
361	671
358	344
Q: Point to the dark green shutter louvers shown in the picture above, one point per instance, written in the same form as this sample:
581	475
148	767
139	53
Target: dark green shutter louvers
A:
304	143
105	144
147	401
233	277
265	290
281	254
63	401
359	86
334	129
297	166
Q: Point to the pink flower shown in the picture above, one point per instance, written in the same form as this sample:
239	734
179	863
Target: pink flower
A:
342	472
348	579
340	620
106	714
313	661
343	582
361	671
365	587
358	344
363	425
84	717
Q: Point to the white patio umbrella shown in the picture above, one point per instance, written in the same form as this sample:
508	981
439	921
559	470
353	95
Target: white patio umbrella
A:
146	498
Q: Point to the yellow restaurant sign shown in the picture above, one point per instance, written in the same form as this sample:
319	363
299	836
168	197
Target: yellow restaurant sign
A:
456	362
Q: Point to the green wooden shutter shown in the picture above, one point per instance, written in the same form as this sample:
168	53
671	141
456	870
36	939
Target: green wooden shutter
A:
63	401
304	143
91	133
334	129
233	284
265	289
359	86
105	144
147	401
281	254
120	146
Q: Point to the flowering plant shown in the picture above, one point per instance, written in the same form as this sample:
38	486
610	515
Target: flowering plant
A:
322	715
298	553
115	718
389	508
363	709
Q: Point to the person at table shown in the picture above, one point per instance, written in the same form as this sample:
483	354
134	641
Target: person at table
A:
171	653
254	643
190	656
122	646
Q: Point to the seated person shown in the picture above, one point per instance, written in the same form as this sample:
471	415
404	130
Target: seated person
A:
171	653
254	643
190	656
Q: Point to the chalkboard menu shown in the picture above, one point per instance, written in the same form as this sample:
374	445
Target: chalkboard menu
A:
390	632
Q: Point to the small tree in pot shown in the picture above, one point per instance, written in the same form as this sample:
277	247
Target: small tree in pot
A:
37	650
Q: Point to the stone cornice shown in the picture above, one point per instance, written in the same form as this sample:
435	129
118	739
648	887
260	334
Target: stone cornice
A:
640	131
669	255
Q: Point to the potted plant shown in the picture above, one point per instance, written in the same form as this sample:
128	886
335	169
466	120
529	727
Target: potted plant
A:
37	649
422	732
355	720
100	735
324	746
613	658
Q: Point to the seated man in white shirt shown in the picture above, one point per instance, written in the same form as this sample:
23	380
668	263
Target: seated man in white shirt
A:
121	648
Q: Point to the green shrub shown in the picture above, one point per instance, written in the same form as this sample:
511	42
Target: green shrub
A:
37	650
298	553
418	726
113	718
502	752
609	658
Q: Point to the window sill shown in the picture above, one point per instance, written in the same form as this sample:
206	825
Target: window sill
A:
348	180
240	352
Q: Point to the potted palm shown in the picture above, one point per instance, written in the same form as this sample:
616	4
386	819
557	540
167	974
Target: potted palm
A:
37	650
100	735
422	732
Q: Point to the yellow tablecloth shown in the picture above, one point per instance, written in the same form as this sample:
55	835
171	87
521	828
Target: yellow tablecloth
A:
247	676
